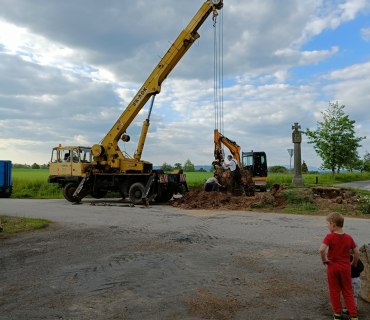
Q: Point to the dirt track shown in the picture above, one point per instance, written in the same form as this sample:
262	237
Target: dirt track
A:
107	262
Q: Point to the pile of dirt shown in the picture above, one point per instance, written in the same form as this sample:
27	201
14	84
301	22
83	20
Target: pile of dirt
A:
325	198
200	199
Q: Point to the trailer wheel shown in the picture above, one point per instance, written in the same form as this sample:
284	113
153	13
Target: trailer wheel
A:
68	191
136	193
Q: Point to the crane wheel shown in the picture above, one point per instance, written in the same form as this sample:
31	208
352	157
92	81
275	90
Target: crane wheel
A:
136	193
68	191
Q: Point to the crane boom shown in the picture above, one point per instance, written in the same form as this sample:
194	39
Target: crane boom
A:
108	152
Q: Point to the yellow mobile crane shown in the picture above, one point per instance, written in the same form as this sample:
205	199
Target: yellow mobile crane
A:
95	170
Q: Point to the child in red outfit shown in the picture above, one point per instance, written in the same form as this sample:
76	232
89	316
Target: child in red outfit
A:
335	254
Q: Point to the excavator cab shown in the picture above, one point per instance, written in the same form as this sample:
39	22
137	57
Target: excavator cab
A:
256	164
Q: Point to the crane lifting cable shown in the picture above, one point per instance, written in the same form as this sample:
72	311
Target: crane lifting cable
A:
219	152
218	71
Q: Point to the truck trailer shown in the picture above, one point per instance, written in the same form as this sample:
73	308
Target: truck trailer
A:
6	184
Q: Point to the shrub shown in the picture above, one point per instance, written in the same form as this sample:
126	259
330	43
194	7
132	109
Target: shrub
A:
364	204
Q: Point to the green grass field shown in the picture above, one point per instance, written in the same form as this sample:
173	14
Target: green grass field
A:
32	183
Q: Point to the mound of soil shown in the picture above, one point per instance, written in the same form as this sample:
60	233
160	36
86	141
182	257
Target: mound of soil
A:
325	198
200	199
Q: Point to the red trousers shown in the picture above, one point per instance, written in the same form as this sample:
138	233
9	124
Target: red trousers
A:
340	281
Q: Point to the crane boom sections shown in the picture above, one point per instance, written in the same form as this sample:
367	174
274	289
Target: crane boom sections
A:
108	151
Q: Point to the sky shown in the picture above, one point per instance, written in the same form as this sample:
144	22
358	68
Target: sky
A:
68	69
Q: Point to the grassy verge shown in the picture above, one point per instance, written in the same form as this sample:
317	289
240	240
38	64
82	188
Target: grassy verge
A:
32	183
12	225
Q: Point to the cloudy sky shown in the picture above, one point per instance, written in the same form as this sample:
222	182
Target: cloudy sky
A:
69	68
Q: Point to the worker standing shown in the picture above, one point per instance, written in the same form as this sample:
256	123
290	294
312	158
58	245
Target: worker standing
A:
235	176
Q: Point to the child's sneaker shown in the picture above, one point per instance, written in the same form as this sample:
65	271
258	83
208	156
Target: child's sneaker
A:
345	312
337	316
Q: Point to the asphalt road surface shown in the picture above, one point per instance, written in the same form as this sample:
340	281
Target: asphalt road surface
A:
364	185
110	260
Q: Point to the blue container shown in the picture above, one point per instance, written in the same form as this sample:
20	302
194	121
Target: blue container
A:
6	184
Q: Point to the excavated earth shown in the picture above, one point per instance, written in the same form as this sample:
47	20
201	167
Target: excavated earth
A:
323	199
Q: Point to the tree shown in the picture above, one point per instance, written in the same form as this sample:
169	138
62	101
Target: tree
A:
189	166
35	166
355	164
166	167
366	163
278	169
178	166
334	140
304	167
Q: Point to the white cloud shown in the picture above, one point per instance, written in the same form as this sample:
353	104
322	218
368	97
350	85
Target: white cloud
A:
365	33
330	15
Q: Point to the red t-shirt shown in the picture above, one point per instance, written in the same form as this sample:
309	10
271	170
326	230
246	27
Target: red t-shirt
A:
339	247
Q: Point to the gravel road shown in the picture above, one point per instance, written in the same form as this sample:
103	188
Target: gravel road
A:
108	260
364	185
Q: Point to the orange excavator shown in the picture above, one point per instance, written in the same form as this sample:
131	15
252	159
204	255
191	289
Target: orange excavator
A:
253	165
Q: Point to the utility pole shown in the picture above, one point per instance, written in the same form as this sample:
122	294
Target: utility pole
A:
297	139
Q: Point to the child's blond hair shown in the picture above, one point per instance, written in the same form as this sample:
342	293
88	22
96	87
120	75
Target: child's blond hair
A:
335	218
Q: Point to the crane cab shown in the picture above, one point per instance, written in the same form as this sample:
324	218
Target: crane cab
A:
69	161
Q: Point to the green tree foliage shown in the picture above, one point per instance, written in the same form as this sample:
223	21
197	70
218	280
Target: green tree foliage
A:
35	166
278	169
178	165
366	163
166	167
189	166
334	140
27	166
304	167
21	166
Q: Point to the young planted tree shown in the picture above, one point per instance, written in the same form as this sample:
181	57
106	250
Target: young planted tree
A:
334	140
189	166
304	167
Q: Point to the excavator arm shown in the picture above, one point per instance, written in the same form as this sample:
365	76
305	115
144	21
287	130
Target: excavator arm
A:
108	153
233	147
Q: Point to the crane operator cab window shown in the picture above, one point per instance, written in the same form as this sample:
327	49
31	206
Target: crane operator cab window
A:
54	156
60	155
85	155
65	155
75	155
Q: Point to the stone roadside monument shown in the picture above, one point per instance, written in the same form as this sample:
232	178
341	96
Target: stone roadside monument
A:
297	140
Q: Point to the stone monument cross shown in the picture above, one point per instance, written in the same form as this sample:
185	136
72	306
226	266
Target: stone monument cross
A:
297	140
